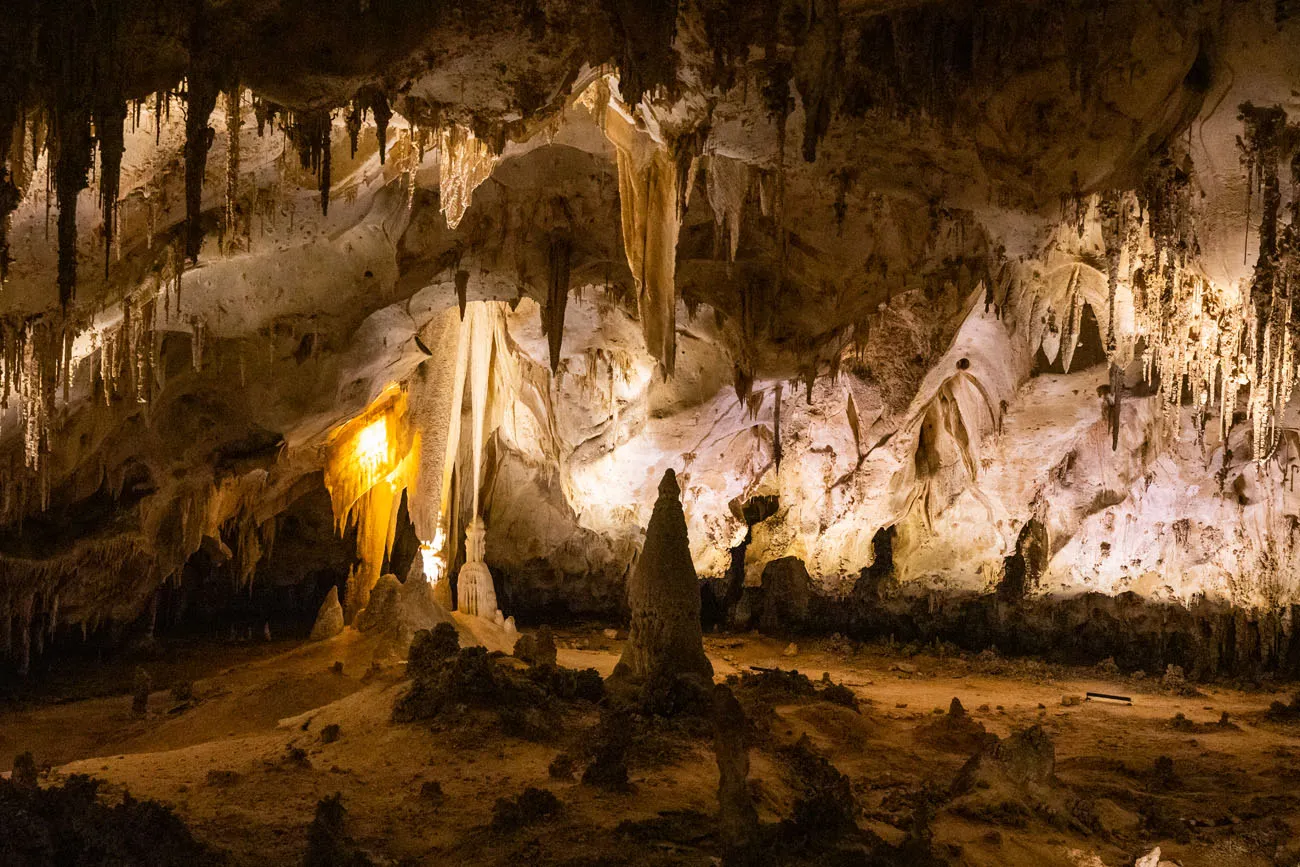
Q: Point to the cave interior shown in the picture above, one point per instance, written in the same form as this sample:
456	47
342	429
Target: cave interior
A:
649	432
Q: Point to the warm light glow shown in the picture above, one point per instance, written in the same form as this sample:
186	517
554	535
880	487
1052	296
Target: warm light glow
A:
431	554
372	445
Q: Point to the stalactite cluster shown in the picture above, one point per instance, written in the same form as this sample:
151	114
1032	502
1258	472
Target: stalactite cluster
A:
311	133
465	162
1268	144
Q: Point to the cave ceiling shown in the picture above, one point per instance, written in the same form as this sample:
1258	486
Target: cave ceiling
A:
840	255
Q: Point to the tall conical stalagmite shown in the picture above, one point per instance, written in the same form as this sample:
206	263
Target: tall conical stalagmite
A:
664	596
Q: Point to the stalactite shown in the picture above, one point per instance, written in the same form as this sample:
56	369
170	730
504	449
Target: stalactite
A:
559	254
1268	141
462	289
727	182
818	71
1073	321
72	132
234	121
465	163
356	113
1112	232
382	114
649	202
110	122
776	429
198	335
311	133
200	99
11	195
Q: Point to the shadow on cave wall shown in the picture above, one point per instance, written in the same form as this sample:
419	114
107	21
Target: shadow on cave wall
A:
207	602
1207	639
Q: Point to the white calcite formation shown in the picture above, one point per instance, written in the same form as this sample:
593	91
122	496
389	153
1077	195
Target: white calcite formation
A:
474	590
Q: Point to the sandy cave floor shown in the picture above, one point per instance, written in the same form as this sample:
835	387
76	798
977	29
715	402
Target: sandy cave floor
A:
222	761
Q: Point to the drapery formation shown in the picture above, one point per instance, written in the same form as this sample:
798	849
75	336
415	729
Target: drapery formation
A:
370	462
650	202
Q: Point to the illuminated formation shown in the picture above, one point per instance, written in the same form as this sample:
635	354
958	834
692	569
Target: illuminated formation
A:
369	465
474	589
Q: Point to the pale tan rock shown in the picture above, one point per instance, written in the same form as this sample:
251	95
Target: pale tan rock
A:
329	619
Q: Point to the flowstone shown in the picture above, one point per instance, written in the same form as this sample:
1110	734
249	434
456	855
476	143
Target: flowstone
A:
397	611
665	638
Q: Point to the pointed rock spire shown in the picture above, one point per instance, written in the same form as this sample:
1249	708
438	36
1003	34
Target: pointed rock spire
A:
664	596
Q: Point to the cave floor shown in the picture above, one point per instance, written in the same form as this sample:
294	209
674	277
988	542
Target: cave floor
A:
224	761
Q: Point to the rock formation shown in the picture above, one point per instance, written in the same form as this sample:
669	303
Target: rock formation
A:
737	818
141	686
521	302
475	593
329	619
664	596
536	648
397	611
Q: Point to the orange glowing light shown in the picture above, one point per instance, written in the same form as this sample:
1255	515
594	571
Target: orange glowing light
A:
372	446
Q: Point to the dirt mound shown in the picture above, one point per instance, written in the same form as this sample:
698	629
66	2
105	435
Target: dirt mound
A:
397	611
1012	783
1027	758
775	685
532	806
537	648
825	808
1181	723
955	732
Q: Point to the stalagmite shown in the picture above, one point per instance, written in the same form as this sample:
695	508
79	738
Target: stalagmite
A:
329	619
475	593
737	818
663	593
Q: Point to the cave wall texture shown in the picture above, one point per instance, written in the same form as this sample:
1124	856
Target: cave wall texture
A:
1014	284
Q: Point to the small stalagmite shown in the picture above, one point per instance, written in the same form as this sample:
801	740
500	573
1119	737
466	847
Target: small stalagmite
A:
329	620
664	596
